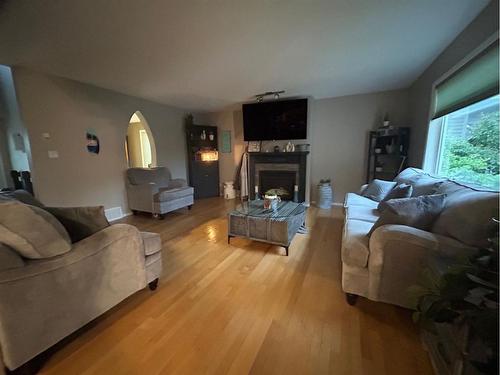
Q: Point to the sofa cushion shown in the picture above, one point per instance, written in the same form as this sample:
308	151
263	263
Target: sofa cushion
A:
80	222
363	213
419	212
399	191
152	242
9	258
140	176
378	189
353	199
355	251
409	175
467	216
31	231
426	185
165	195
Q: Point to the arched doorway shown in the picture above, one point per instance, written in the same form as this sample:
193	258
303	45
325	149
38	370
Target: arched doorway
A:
140	145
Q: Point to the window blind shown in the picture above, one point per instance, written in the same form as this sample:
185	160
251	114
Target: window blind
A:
475	81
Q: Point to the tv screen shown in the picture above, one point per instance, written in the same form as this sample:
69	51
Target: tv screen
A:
277	120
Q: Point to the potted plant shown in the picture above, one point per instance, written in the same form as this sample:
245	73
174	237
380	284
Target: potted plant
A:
465	297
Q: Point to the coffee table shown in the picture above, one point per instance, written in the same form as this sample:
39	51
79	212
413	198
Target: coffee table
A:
278	227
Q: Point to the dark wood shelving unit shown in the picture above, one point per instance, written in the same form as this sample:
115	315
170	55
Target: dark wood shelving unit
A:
203	175
387	153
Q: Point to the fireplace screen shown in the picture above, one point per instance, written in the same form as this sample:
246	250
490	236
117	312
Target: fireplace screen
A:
281	183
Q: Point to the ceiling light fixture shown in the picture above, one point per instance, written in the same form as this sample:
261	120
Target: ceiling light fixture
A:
275	94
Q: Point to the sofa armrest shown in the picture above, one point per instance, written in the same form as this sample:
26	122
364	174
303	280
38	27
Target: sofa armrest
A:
51	298
140	197
362	189
399	253
177	183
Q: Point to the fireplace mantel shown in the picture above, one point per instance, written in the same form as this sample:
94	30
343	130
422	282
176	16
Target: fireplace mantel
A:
275	160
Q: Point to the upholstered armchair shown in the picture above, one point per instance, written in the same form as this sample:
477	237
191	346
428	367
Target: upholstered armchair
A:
153	190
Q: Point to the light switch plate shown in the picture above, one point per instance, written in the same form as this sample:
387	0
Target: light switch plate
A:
53	154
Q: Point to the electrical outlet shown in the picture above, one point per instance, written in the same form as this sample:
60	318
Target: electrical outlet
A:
53	154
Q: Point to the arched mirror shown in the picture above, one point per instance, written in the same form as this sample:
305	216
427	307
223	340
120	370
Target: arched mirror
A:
140	145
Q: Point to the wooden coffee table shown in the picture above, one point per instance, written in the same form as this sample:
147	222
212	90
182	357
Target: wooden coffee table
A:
278	227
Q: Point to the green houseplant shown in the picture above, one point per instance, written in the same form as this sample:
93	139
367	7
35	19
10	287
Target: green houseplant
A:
465	295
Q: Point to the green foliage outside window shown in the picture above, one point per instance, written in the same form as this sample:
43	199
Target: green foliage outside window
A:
475	159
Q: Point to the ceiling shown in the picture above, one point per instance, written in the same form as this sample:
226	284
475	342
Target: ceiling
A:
207	54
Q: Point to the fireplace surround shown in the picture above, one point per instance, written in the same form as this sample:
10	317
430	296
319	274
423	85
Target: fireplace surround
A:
280	168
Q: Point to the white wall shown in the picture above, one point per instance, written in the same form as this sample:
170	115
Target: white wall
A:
65	109
338	134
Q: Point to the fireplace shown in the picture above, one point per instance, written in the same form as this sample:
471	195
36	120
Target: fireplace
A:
282	181
273	170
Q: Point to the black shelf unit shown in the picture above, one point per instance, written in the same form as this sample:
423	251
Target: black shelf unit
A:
203	175
387	153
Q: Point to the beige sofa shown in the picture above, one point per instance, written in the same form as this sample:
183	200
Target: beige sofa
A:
153	190
44	300
382	267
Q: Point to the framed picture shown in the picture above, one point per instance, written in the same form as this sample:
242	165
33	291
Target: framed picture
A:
254	146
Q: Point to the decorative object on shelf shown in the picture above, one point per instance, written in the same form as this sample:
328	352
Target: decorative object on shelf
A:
271	201
390	148
302	147
385	122
226	142
188	120
207	155
254	146
229	192
211	136
203	135
387	152
325	194
276	148
290	147
93	145
457	309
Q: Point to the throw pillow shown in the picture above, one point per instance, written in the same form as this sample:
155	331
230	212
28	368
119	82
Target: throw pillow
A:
31	231
378	189
80	222
425	186
418	212
400	191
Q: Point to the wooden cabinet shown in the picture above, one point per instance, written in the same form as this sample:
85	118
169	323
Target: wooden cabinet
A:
203	175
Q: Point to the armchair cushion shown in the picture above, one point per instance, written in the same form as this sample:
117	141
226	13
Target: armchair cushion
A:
80	222
139	176
168	194
353	199
355	251
31	231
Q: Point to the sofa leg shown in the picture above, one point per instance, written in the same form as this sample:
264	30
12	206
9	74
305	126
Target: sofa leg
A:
135	212
159	216
190	206
351	298
153	284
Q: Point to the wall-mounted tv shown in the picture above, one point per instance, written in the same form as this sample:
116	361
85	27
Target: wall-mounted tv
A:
276	120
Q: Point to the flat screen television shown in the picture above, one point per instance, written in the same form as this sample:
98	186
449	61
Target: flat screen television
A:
276	120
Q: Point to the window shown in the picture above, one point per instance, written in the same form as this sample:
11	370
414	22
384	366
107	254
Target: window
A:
468	141
463	135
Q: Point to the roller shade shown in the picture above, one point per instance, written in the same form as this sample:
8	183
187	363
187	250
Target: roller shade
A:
475	81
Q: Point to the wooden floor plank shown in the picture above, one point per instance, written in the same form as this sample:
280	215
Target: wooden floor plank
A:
244	308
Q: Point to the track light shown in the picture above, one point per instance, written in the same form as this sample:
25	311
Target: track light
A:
275	94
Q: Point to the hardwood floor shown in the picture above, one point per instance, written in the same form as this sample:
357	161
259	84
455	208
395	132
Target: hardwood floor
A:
244	308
